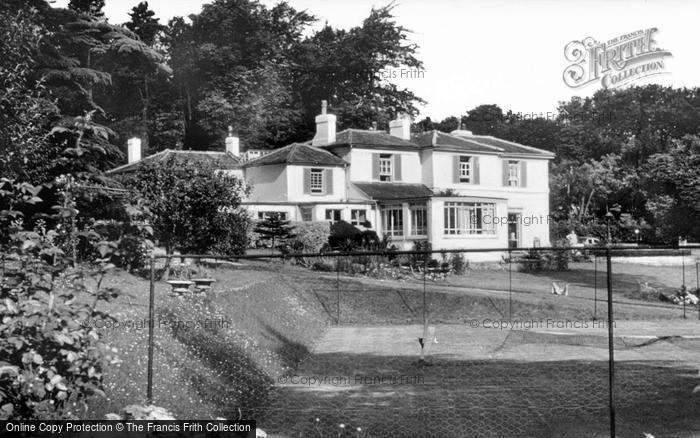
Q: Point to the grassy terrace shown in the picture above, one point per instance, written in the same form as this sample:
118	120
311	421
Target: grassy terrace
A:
280	327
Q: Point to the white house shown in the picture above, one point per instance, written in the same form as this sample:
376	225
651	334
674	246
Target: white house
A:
455	190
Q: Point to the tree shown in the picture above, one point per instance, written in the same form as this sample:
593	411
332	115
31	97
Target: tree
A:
26	109
345	68
485	120
92	8
672	185
243	64
144	23
142	90
272	227
194	207
231	67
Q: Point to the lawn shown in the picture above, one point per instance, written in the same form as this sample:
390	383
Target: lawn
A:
282	321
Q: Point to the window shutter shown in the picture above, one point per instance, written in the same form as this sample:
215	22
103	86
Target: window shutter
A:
375	167
307	181
328	181
475	171
523	173
397	167
455	168
505	173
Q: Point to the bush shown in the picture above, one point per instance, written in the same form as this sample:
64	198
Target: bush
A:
323	265
344	236
547	260
458	264
421	245
309	236
51	361
194	208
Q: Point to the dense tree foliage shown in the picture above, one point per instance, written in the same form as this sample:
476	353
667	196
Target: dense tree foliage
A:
243	64
634	147
194	207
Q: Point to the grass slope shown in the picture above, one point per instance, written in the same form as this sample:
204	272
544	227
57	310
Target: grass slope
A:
213	355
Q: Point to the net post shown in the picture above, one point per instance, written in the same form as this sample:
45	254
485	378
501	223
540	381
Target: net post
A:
337	290
510	284
697	284
424	343
151	327
595	286
611	344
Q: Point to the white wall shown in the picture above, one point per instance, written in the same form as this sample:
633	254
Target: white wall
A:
291	210
269	183
439	240
490	173
319	212
531	201
427	160
295	182
361	164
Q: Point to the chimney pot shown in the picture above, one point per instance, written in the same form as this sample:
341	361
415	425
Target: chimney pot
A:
133	149
324	106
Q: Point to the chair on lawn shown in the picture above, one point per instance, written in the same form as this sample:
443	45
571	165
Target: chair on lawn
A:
560	290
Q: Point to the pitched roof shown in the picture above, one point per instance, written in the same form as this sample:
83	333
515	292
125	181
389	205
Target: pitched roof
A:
369	138
511	147
385	191
443	141
476	143
220	160
298	153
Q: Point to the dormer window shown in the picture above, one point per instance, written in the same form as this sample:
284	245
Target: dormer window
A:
385	167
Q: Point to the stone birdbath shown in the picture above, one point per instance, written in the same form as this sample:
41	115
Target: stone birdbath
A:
180	287
203	284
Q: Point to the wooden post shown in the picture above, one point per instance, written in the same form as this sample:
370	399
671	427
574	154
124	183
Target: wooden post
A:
337	289
510	284
151	328
595	286
611	346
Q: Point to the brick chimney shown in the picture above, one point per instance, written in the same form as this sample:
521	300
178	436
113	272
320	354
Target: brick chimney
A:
325	127
232	143
133	149
401	127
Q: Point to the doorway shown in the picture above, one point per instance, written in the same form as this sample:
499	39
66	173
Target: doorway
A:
514	220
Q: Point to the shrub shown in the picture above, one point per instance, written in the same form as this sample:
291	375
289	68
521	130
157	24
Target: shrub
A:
323	265
458	264
421	245
344	236
274	228
547	260
51	361
194	208
309	237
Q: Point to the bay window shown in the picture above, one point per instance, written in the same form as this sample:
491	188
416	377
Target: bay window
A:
469	218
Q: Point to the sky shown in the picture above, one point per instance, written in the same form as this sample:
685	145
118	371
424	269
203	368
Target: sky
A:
509	53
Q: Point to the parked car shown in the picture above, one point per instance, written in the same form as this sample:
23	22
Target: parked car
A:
591	241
